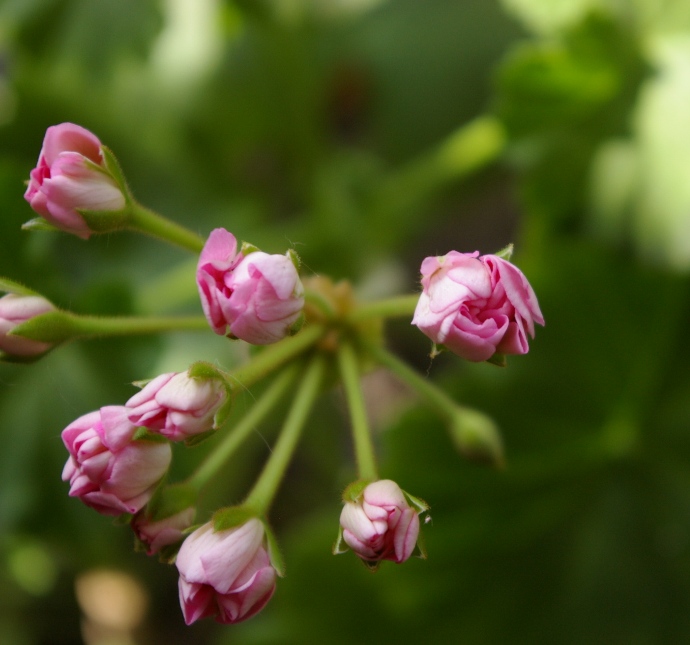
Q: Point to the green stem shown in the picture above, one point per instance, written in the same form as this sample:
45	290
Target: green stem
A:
474	433
274	356
97	326
364	448
263	492
220	455
60	326
444	404
398	306
147	221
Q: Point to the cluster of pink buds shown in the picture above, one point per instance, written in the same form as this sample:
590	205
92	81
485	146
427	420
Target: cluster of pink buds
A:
480	307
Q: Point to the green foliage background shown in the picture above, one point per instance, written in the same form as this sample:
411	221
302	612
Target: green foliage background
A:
370	134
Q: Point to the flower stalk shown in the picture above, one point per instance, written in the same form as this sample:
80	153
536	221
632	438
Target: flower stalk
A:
474	433
230	443
361	433
274	356
396	307
144	220
61	326
262	494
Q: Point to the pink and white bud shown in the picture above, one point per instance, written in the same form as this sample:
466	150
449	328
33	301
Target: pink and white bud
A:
225	574
16	309
71	176
476	306
109	470
381	524
177	406
257	297
157	534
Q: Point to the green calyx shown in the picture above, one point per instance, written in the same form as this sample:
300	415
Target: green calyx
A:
51	327
506	252
354	491
231	517
10	286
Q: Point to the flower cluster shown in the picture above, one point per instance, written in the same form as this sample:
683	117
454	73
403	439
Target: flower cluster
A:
479	307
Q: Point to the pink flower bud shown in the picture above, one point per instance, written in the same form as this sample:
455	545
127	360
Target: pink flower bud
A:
256	298
381	524
71	175
226	574
156	534
177	405
107	469
16	309
476	306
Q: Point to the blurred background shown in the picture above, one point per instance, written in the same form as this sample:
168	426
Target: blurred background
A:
368	134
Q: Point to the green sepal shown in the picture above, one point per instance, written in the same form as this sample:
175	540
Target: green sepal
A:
51	327
106	221
10	286
197	439
144	434
353	493
247	248
231	516
419	550
418	504
223	412
372	565
113	168
498	359
204	370
39	224
505	253
170	500
340	546
477	437
297	325
142	384
274	553
294	258
12	358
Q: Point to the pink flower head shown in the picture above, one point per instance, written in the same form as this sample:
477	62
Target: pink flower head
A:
476	306
381	524
16	309
107	469
156	534
71	176
176	405
257	297
226	574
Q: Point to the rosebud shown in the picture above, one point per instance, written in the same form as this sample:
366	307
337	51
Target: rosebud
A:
108	469
226	574
476	306
16	309
177	405
157	534
256	297
380	523
72	176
